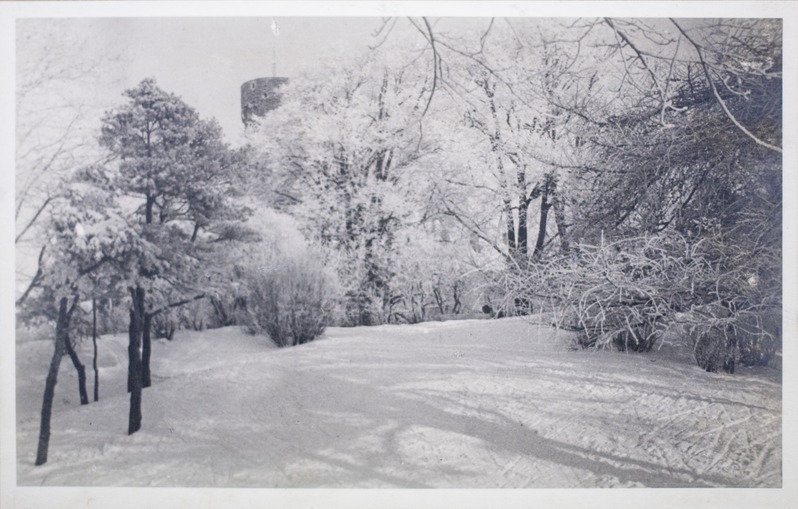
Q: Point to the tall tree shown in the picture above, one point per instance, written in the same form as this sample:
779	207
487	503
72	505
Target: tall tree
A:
86	234
343	145
510	85
177	167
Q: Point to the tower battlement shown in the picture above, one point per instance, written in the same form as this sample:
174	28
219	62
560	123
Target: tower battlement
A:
258	97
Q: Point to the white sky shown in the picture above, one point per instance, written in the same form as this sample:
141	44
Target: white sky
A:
203	60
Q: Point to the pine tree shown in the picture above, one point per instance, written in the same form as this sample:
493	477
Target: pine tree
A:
183	175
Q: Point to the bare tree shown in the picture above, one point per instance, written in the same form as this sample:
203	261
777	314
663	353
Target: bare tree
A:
54	131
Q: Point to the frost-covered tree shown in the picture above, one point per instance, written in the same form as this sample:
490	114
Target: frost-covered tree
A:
706	121
702	158
346	147
509	79
179	175
688	148
86	234
435	267
672	127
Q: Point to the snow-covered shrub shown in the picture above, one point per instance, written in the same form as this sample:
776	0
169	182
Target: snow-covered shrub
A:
212	312
609	295
717	348
194	315
291	301
721	339
164	325
431	280
625	294
764	338
112	317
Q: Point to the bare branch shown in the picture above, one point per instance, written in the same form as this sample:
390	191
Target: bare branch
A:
176	304
718	98
484	36
640	58
384	31
33	219
36	279
436	59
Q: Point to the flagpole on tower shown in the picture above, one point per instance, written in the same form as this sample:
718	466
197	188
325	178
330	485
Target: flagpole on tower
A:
261	95
275	32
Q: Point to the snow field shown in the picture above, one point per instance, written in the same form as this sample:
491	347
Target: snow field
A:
471	404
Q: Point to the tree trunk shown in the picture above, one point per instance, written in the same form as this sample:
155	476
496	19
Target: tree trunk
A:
456	296
522	243
61	330
436	292
545	205
523	233
94	342
134	358
80	368
562	226
496	147
148	209
512	242
146	350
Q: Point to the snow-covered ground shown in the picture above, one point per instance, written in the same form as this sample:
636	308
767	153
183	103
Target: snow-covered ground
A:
471	404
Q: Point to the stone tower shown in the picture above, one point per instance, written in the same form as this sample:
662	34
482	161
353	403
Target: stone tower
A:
258	97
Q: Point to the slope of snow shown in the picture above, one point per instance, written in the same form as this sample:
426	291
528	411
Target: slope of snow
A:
470	404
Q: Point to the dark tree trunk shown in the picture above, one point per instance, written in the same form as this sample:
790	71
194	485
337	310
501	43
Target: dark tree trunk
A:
545	204
94	342
456	297
544	216
80	368
496	146
522	229
61	330
135	332
436	292
146	350
522	243
522	248
148	212
562	226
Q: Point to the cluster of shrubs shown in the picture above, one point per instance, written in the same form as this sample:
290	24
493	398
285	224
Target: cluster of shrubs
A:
625	295
292	303
748	339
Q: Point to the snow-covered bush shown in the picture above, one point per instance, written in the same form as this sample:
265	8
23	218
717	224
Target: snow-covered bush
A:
625	294
164	325
722	339
431	274
764	332
610	295
291	301
112	316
